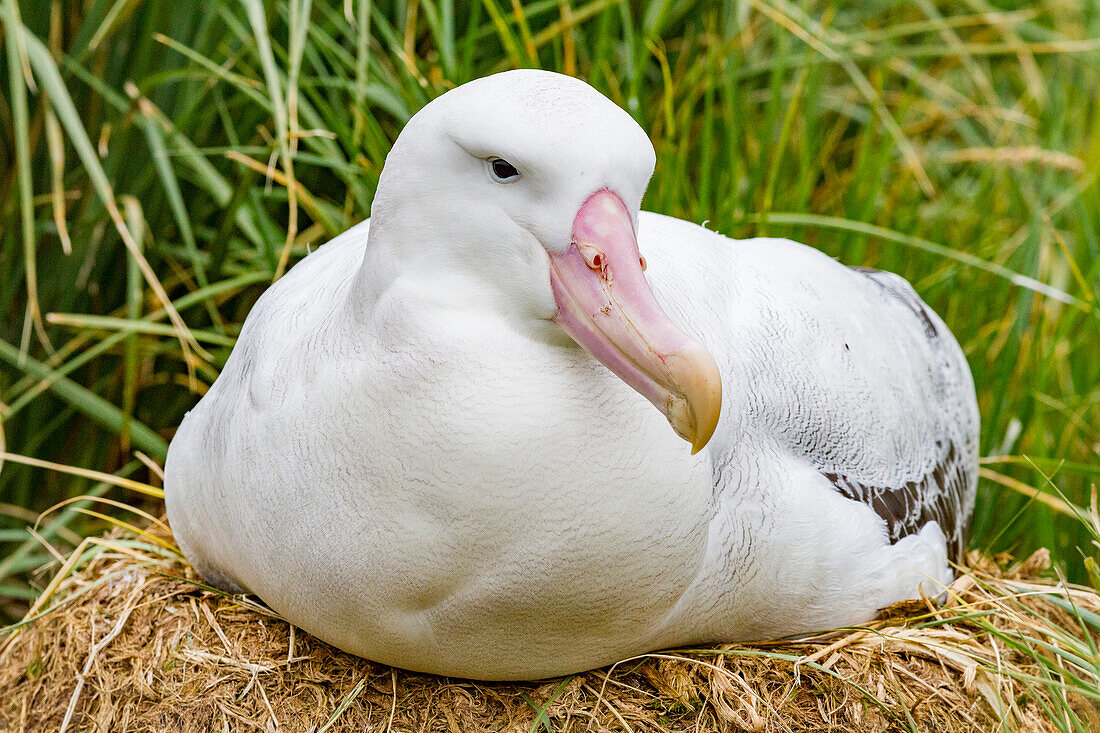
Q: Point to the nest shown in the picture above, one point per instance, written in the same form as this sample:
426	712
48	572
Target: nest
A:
126	637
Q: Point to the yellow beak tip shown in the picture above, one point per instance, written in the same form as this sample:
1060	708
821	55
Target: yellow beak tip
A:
700	443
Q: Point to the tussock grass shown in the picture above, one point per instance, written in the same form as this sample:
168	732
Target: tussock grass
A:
127	638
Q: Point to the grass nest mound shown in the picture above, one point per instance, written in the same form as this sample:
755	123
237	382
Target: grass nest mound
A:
126	637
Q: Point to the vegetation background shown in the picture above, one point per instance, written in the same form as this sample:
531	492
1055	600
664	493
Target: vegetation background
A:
162	162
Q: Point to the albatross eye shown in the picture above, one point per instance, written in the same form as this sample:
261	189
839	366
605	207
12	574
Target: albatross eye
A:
502	171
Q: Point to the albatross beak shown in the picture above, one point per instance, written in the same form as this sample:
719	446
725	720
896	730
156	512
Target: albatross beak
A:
606	305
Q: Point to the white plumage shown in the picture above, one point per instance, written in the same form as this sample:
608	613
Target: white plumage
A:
408	457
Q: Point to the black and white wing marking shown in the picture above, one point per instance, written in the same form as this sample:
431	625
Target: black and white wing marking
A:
945	493
940	496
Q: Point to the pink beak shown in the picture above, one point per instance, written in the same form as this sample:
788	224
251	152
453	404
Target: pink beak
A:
606	305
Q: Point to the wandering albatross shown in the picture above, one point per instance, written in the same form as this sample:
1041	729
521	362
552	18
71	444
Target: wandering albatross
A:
435	443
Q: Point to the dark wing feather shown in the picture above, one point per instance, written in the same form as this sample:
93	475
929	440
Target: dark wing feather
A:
899	289
939	495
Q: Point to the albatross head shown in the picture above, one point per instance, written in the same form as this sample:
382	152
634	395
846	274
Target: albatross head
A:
525	187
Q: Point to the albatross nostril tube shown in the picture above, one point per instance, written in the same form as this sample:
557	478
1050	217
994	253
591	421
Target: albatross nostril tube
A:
595	258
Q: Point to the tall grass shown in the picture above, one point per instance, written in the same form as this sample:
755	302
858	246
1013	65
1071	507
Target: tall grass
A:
161	165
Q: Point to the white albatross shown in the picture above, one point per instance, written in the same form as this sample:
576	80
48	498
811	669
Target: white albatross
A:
435	443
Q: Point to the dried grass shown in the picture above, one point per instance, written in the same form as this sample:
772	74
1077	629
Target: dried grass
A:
133	641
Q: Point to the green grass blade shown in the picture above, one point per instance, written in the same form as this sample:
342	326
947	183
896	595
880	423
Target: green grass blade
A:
88	402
